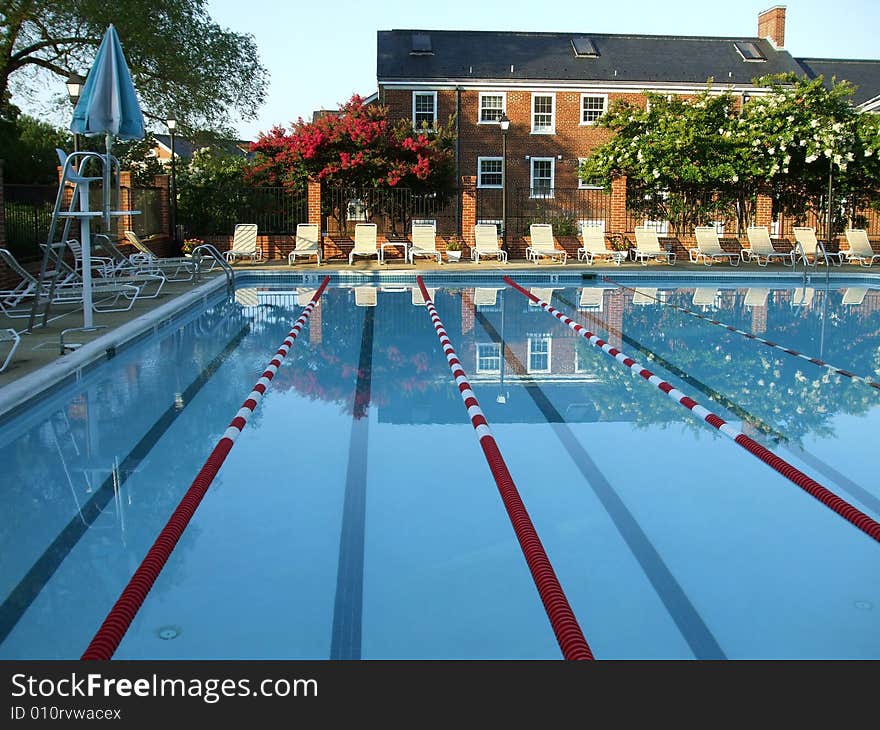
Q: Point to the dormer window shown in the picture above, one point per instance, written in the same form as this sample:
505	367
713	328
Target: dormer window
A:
749	51
584	47
421	45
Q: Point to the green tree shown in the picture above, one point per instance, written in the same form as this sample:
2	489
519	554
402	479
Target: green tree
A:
27	146
212	193
179	58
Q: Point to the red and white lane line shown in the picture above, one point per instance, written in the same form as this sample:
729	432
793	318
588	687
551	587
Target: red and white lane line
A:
769	343
111	632
865	523
562	619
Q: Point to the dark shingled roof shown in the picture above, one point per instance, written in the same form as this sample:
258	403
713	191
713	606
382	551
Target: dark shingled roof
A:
184	148
864	74
482	55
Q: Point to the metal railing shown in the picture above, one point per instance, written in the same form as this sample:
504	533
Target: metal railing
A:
212	252
208	211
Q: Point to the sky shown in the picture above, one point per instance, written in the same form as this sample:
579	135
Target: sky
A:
319	54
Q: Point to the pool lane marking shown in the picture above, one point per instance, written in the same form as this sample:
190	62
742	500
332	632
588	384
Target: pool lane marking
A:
348	605
689	622
845	483
40	573
568	633
769	343
850	513
112	630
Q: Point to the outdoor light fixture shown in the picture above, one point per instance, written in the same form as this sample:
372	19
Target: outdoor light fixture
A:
171	121
504	123
74	91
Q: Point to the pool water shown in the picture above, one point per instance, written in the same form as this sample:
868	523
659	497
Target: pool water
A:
356	517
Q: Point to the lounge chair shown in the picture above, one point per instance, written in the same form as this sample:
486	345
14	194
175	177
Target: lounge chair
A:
648	247
543	293
802	296
9	335
424	242
417	299
543	244
705	297
854	295
244	243
365	242
591	299
761	247
303	296
365	296
140	278
308	242
593	238
643	296
175	268
806	237
486	243
247	297
756	297
859	247
486	296
709	248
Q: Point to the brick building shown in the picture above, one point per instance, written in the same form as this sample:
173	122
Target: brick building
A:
553	87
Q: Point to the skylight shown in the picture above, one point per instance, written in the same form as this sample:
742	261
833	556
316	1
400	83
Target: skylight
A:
584	47
749	51
421	45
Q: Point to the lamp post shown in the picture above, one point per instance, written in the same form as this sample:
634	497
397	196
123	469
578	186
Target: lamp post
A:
171	121
504	123
74	90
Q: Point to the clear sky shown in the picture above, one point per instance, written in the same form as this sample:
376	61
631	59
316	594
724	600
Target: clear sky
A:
320	53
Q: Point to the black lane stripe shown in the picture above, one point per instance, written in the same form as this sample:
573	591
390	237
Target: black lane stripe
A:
25	593
689	622
345	642
826	470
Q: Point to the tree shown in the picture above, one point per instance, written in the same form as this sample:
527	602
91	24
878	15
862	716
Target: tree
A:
179	58
27	146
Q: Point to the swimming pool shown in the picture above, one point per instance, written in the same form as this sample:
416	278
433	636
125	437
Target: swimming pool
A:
356	516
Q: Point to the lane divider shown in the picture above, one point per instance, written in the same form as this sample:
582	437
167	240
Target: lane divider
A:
562	619
112	630
769	343
850	513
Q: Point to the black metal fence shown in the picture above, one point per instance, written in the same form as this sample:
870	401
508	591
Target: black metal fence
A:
215	211
149	202
393	210
28	210
565	208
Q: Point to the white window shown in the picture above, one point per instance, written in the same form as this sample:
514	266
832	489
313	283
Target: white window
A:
492	107
490	172
586	184
424	108
539	354
718	226
425	222
491	222
580	362
592	223
662	227
543	114
488	357
774	228
356	210
592	107
542	177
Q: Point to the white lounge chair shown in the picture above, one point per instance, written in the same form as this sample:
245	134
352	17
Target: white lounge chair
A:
854	295
543	244
761	247
366	242
143	278
645	296
303	296
756	297
859	247
175	268
486	296
591	299
244	243
709	249
705	297
648	247
9	335
365	296
543	293
802	296
417	299
247	297
424	242
486	243
308	242
593	238
806	237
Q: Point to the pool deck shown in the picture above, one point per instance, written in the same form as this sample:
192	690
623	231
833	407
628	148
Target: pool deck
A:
41	348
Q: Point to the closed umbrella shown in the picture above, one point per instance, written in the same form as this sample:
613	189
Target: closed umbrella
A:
108	106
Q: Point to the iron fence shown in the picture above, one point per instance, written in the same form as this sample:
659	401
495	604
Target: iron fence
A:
215	211
149	202
28	210
565	208
393	210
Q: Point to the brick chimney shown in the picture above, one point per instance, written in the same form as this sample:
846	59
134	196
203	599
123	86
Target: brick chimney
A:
771	25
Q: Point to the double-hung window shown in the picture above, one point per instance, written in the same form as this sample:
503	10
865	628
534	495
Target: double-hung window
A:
490	172
488	357
543	114
492	107
424	108
587	184
539	354
541	180
592	107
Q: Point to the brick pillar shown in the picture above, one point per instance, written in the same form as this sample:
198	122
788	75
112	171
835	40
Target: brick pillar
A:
763	210
759	319
2	211
67	197
468	208
316	330
467	310
163	182
126	222
314	198
618	204
613	307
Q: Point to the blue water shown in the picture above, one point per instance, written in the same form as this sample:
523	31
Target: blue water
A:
356	517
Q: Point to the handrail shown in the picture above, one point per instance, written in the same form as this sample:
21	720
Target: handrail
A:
215	254
827	263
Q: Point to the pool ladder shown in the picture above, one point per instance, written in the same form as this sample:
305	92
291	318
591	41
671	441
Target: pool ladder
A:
208	250
802	256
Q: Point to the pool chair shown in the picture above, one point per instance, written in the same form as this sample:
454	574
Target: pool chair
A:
806	237
244	243
644	297
365	296
802	296
543	244
761	248
709	249
859	247
365	242
648	248
486	296
543	293
149	279
175	268
303	296
705	297
593	238
486	243
424	242
854	295
308	243
9	335
591	299
417	299
756	297
247	297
